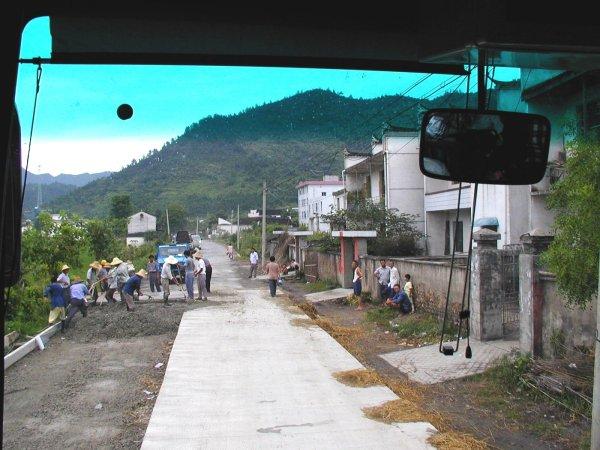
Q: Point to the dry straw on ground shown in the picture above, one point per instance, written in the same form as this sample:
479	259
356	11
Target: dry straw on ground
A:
450	440
359	378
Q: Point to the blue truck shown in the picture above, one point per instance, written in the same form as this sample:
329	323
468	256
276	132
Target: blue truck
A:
163	251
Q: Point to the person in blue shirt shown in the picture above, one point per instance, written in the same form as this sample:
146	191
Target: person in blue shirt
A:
132	285
78	302
399	299
54	292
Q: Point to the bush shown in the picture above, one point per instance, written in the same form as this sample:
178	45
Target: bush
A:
393	246
324	242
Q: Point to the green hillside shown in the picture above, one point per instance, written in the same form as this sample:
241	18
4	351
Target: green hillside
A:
221	161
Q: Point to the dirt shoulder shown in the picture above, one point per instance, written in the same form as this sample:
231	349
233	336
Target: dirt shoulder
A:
95	385
497	413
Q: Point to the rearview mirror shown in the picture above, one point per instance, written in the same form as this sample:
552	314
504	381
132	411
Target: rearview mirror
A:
491	147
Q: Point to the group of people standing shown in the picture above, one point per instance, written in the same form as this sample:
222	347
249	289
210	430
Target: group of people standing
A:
390	289
197	269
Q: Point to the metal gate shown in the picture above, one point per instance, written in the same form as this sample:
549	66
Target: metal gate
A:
510	290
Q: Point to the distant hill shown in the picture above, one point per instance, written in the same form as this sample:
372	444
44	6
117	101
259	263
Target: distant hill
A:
221	161
77	180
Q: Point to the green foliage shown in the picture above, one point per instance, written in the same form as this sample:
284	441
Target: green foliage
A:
322	285
26	309
220	161
381	315
323	242
573	255
101	238
49	245
420	326
396	232
120	206
177	217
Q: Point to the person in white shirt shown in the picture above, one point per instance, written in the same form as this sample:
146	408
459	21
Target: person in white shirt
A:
63	278
166	276
253	263
200	272
394	275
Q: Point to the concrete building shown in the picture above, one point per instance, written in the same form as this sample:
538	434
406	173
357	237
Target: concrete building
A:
141	222
560	97
315	197
390	175
225	226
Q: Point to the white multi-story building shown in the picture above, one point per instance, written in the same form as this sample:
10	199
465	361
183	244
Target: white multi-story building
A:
390	175
315	197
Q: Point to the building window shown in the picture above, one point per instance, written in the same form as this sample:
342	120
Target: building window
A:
447	238
324	194
458	236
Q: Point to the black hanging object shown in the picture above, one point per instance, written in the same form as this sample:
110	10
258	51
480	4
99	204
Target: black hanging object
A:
125	111
468	352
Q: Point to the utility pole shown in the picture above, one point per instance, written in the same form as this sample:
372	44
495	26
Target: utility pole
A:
196	225
231	223
263	249
596	396
238	229
168	227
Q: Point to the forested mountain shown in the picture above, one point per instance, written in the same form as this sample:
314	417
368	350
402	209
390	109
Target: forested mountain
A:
221	161
77	180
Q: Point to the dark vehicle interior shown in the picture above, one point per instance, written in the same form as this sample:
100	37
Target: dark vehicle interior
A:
429	37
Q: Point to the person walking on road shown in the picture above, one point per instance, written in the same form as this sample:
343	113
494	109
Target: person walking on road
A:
230	252
272	271
200	273
131	285
54	292
190	268
383	278
153	274
208	273
166	276
253	263
78	302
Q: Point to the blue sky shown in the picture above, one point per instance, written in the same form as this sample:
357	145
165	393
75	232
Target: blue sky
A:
77	129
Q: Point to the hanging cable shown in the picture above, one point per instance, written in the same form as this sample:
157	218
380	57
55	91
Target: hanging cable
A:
38	78
449	350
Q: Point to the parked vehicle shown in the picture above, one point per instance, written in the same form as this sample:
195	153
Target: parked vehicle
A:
163	251
196	240
183	237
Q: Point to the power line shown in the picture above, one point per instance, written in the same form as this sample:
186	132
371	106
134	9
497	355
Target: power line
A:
426	96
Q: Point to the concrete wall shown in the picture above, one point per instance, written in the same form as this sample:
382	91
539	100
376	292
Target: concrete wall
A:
575	325
429	277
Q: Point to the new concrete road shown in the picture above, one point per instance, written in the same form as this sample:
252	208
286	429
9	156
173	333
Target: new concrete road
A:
249	371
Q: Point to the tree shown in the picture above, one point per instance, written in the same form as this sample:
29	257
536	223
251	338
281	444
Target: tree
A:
573	255
101	238
396	232
177	216
121	206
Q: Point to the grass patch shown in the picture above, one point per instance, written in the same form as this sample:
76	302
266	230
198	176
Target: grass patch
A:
359	378
509	389
322	285
381	316
423	327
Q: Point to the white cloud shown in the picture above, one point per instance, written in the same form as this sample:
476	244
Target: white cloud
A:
87	155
